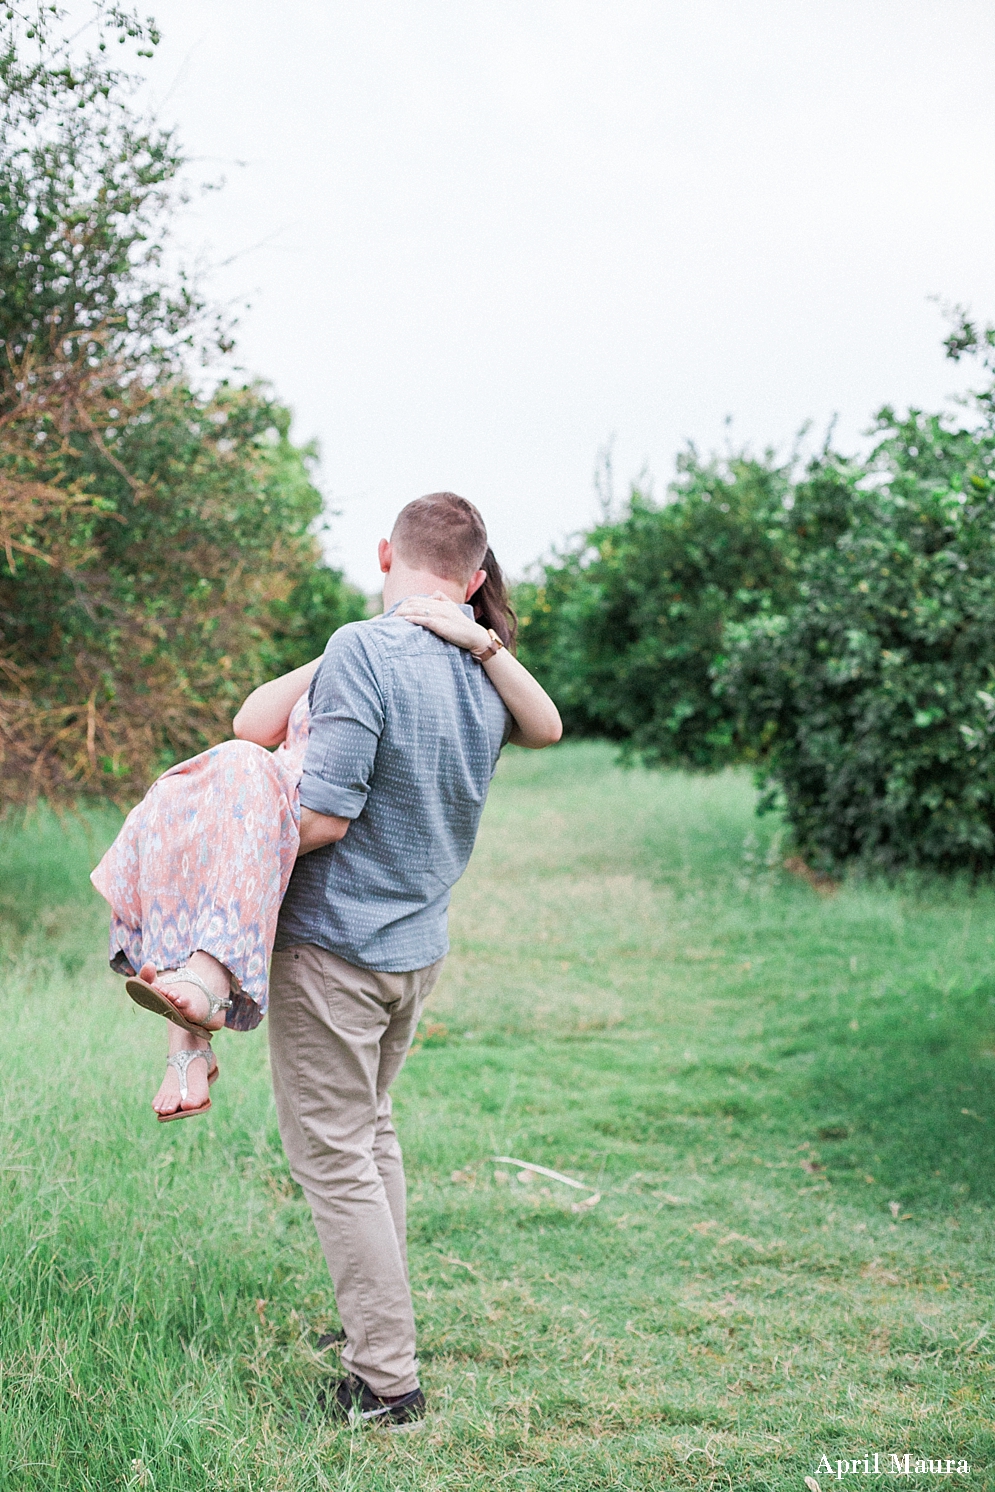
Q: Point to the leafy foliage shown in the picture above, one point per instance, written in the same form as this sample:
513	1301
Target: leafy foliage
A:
86	191
871	702
299	627
156	540
838	631
134	621
624	629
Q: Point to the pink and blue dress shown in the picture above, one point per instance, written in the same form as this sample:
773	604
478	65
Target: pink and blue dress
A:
203	861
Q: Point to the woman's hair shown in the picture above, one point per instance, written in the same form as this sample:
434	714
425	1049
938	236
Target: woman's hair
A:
491	605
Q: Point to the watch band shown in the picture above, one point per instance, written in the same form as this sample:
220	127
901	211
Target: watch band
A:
495	647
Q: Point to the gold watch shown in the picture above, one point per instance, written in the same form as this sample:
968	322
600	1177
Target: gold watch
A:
494	646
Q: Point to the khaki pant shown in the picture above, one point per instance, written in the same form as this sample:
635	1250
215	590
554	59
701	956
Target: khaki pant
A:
338	1037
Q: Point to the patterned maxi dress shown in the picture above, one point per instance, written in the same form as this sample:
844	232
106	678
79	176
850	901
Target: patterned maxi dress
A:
203	862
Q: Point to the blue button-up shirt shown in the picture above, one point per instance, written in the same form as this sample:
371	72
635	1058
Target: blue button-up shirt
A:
406	731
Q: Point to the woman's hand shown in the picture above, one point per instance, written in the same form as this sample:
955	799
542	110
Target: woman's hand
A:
537	721
444	617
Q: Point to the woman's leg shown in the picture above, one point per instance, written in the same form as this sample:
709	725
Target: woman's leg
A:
193	1003
167	1100
190	999
203	862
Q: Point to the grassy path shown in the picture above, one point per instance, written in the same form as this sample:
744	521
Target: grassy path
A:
784	1101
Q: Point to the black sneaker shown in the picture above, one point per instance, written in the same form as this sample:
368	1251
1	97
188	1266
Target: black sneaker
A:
355	1401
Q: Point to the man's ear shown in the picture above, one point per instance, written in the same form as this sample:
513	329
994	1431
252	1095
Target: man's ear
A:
475	583
385	555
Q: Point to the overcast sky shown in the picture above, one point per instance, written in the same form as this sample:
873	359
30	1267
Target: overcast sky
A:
480	237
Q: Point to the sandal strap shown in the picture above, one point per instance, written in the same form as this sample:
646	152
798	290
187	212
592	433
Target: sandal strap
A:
181	1061
184	976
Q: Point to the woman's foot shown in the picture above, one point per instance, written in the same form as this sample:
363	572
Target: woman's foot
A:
168	1099
190	999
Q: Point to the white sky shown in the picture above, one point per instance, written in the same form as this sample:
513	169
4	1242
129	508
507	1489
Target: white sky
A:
479	237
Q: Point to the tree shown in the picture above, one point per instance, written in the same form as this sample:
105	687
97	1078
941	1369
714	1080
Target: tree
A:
153	537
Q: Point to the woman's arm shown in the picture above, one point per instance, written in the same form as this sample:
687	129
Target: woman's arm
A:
537	720
264	715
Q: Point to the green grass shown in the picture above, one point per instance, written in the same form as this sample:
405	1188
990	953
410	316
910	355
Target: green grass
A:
749	1073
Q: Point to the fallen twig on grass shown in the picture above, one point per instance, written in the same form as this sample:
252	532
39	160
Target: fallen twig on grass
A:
451	1259
527	1165
971	1345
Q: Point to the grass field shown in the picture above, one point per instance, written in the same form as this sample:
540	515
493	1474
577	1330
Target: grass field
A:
784	1100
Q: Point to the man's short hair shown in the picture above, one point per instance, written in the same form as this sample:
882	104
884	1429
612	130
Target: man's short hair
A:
441	533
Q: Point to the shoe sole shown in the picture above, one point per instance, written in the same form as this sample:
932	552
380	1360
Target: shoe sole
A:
183	1113
152	999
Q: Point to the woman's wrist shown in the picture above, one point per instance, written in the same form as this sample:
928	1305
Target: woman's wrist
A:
491	646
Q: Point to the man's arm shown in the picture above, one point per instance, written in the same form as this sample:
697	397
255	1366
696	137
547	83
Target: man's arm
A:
346	723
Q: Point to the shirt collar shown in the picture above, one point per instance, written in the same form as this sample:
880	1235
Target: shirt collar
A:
464	606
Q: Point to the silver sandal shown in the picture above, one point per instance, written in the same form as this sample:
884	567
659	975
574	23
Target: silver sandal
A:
150	997
181	1061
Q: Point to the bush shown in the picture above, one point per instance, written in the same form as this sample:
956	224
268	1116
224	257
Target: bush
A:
140	603
625	628
870	703
300	626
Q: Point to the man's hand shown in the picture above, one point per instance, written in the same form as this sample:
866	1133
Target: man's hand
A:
318	829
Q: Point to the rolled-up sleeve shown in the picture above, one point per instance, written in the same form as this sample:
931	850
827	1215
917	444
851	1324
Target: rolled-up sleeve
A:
347	721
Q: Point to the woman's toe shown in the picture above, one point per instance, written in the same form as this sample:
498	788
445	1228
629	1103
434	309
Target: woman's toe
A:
148	973
167	1100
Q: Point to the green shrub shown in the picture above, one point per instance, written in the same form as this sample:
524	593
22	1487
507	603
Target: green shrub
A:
300	626
870	703
624	629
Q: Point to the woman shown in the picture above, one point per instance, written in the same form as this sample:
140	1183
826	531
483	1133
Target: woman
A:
197	874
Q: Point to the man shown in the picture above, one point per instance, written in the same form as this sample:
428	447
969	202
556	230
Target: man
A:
406	730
